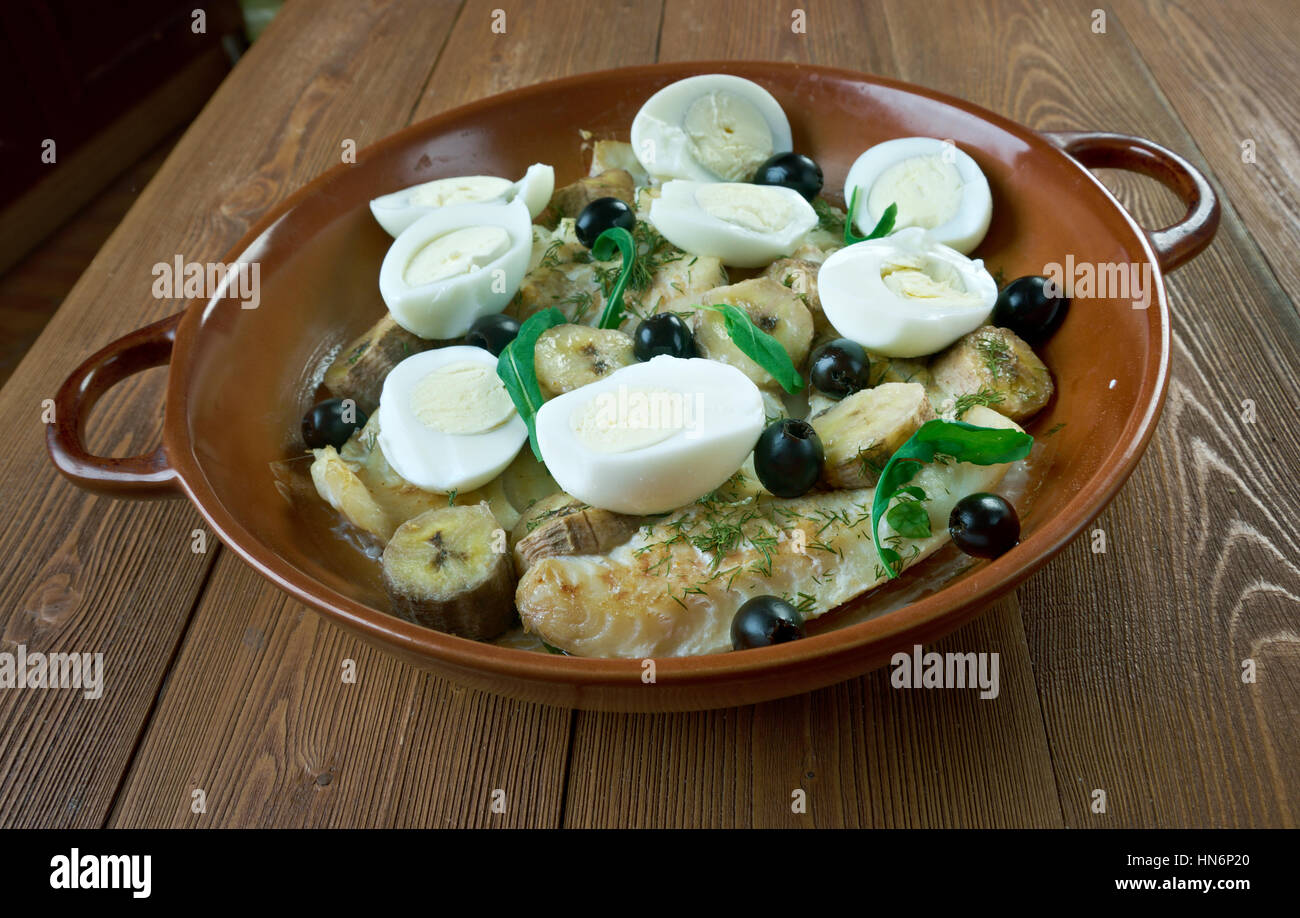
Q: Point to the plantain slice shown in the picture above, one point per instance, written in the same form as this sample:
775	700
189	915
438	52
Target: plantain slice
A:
359	370
570	200
772	307
570	356
446	569
799	276
866	428
563	525
994	367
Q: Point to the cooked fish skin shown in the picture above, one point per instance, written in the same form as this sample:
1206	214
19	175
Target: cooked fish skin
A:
564	525
359	370
667	593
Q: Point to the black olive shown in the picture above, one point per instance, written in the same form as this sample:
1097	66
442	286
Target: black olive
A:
600	215
763	621
788	457
492	332
1033	307
840	367
984	525
662	333
331	423
791	170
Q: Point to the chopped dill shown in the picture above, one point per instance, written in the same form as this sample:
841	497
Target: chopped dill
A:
995	353
829	217
551	257
985	396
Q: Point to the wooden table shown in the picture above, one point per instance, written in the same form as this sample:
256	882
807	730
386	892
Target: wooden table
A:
1120	671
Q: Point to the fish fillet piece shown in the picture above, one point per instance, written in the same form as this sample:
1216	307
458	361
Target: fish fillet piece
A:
673	589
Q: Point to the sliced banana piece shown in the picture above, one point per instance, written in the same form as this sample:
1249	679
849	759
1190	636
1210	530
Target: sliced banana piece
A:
799	276
361	462
772	307
358	371
563	525
447	569
996	366
570	356
866	428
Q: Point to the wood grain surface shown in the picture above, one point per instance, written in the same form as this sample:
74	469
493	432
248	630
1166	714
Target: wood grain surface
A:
1121	672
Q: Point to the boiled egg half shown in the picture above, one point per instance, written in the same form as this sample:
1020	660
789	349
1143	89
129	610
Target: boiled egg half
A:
652	436
747	226
935	185
710	128
454	265
905	295
446	421
397	211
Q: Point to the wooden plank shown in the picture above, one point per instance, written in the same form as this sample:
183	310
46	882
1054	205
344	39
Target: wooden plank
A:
98	575
866	754
1230	71
1138	652
400	747
257	716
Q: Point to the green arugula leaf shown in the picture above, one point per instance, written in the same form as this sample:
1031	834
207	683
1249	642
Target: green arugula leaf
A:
758	345
950	439
603	250
515	368
909	519
883	228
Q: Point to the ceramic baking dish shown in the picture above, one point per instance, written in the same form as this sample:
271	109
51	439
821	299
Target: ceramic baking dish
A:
240	379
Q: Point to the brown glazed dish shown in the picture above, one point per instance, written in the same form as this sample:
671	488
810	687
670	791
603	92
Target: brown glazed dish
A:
240	379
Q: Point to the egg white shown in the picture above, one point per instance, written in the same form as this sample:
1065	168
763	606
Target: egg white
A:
446	308
659	138
677	468
966	227
396	212
681	218
427	457
857	302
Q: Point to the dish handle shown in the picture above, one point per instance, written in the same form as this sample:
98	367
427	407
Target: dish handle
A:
1173	244
149	475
